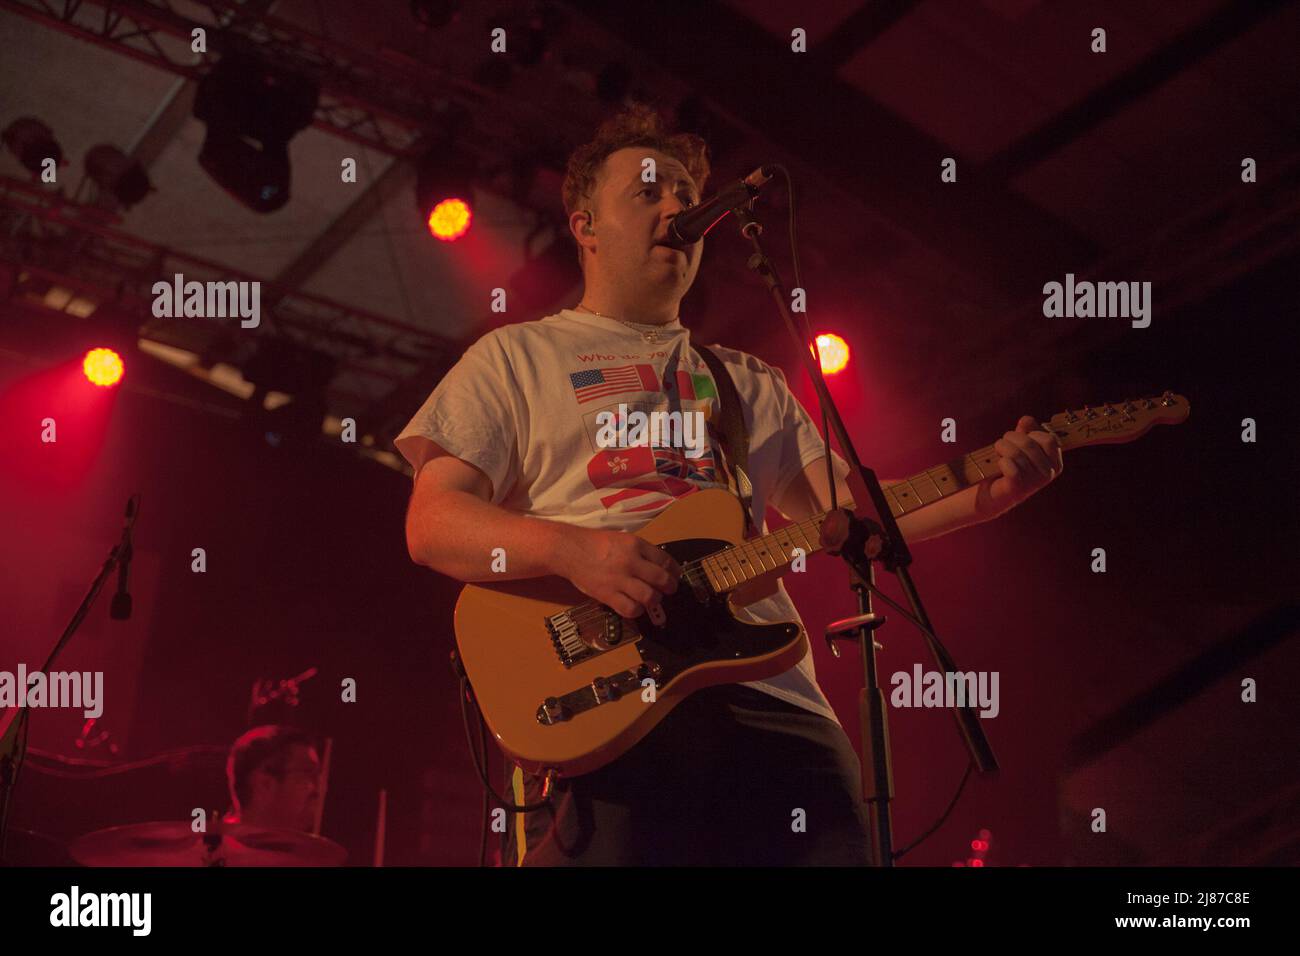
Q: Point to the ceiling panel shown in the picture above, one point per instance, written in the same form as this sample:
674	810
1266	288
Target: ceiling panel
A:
966	76
1174	150
779	17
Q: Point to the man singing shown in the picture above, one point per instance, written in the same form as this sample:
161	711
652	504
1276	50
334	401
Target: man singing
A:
506	455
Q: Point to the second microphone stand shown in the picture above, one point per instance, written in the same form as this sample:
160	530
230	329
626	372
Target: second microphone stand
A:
868	542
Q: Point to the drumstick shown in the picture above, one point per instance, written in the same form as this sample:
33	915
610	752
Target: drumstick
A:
324	783
381	828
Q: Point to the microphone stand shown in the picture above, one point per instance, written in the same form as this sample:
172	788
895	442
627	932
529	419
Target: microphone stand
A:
867	542
13	726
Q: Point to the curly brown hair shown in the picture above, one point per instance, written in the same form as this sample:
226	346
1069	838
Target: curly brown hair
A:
637	124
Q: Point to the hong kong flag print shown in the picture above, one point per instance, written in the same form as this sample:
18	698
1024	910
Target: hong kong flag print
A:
621	466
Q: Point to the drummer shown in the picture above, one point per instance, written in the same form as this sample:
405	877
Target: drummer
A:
273	773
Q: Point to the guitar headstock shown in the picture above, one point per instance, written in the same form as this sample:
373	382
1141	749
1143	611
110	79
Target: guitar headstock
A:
1112	424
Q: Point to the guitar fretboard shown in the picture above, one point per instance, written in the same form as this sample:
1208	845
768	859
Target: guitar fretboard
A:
741	563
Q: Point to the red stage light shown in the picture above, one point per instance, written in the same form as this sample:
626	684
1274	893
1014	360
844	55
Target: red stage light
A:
103	367
834	353
450	219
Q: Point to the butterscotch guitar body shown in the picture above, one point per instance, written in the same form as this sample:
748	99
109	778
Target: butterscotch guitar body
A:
570	690
565	684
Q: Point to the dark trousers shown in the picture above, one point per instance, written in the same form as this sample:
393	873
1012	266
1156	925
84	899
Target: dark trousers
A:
732	777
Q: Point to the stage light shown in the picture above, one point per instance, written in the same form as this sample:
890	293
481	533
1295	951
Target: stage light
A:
252	110
450	219
443	192
103	367
834	352
118	174
32	142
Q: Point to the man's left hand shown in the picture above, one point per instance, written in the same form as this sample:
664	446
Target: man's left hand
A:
1029	459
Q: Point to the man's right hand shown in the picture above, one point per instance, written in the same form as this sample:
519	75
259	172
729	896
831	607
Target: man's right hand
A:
616	568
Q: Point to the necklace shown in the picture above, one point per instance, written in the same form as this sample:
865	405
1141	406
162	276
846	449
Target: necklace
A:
649	333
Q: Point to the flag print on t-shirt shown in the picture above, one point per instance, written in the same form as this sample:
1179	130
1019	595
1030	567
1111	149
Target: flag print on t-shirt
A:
664	473
593	383
646	478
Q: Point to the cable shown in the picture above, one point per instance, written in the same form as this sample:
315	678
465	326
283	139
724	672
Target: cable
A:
467	698
809	338
898	854
830	476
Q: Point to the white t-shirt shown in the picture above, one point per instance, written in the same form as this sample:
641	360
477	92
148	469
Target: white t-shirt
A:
522	404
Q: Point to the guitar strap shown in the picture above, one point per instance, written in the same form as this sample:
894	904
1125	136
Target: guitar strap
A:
731	436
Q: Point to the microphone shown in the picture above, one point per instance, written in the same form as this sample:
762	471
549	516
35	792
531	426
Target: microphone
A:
120	609
689	227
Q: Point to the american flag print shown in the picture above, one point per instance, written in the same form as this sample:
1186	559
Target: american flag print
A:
593	383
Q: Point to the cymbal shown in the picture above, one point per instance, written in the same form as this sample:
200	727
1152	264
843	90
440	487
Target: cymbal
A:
176	844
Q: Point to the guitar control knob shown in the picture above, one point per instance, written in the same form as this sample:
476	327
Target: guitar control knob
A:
600	687
553	709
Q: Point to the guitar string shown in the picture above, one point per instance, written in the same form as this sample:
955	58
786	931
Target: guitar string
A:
589	610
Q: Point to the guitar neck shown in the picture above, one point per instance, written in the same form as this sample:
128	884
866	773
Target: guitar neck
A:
1102	425
742	563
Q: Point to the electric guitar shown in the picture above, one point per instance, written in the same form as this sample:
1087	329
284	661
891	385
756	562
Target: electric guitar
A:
567	685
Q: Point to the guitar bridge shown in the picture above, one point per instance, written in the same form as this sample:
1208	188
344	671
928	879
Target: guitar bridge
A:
566	637
585	631
602	690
